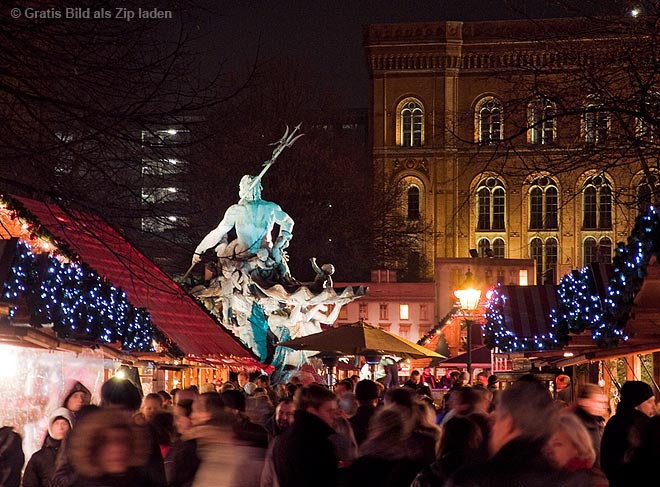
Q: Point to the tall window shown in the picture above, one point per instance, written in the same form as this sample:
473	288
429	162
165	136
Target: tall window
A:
489	120
545	257
491	202
498	248
413	203
384	312
364	311
541	115
412	116
597	204
543	205
488	249
596	124
590	253
605	250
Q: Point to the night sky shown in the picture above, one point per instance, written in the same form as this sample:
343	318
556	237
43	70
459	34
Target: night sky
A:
328	34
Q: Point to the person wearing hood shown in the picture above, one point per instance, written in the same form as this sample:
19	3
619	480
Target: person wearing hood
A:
623	431
77	396
41	466
11	457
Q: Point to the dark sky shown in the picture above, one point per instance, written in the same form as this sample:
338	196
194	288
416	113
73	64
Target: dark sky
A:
328	33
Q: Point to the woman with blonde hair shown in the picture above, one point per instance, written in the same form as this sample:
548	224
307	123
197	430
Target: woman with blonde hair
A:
570	447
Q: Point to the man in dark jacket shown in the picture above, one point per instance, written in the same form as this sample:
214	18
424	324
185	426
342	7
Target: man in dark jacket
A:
366	394
522	424
303	455
11	457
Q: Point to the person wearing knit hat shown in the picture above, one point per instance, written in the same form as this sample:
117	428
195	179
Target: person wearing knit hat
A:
41	466
622	431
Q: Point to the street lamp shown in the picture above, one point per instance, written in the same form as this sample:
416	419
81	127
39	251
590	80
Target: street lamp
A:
468	294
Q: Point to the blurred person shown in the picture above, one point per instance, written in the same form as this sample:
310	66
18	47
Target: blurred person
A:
107	449
344	442
591	408
414	381
481	380
462	380
226	387
181	461
242	378
166	399
446	380
151	404
207	387
464	401
173	395
384	459
163	429
366	395
249	388
12	457
343	387
347	405
259	408
282	419
41	466
427	378
461	443
644	461
304	455
75	398
570	448
623	430
563	388
243	427
522	423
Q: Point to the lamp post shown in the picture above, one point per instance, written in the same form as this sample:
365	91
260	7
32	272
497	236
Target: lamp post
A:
468	294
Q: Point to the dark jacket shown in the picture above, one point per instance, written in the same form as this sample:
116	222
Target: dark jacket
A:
519	463
181	463
360	422
135	477
11	457
595	426
616	446
41	466
369	471
303	455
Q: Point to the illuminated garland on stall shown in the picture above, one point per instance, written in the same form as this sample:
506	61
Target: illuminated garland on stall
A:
437	329
78	302
580	307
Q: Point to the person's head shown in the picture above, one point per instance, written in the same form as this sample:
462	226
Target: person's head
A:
593	400
104	442
77	397
525	409
426	371
207	387
182	413
463	379
367	392
343	387
234	401
263	381
415	376
570	441
207	407
59	423
165	398
120	393
400	396
250	388
151	404
250	188
284	413
319	401
482	379
243	378
562	381
492	380
636	394
460	434
387	434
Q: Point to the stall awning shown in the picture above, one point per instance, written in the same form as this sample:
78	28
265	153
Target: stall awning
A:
174	312
526	309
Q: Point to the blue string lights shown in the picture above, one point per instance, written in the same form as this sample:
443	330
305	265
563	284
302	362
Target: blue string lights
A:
78	302
580	307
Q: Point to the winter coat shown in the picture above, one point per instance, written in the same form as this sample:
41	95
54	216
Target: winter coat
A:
181	463
41	466
303	455
360	422
368	471
11	457
135	477
520	462
595	426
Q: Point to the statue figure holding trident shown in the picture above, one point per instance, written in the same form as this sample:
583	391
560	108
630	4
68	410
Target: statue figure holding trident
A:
253	220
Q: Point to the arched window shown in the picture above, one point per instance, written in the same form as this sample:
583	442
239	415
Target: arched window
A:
489	120
597	204
541	117
411	123
499	248
595	123
550	268
483	246
536	253
491	203
543	205
605	250
413	203
590	253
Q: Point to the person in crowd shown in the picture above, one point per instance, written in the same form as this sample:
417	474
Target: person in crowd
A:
151	404
242	378
644	461
591	408
446	380
415	380
570	447
624	429
427	378
462	380
464	401
122	399
12	457
263	381
107	449
181	461
282	419
384	459
304	455
207	387
76	397
481	380
367	395
344	442
461	442
564	389
347	405
166	399
164	431
41	466
522	423
343	387
244	429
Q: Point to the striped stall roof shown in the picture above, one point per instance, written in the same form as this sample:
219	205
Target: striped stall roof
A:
173	311
527	309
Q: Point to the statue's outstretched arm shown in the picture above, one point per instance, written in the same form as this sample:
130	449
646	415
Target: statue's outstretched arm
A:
213	237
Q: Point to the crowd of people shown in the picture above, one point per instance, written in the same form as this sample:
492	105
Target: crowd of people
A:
359	433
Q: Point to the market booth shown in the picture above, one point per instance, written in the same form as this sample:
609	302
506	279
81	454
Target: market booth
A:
79	301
